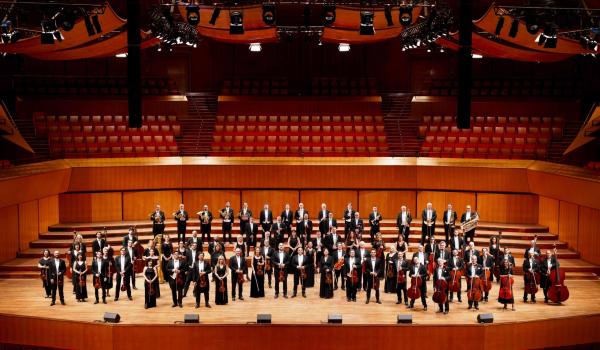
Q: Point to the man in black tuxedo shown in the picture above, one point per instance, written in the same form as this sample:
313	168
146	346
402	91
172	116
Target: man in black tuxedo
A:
98	244
326	224
266	218
299	263
401	265
467	216
456	263
268	252
299	215
278	230
429	215
322	217
442	273
339	258
304	228
191	255
351	265
281	260
419	270
132	254
195	239
244	215
530	267
206	218
442	253
362	253
456	242
373	273
130	236
331	241
349	214
374	220
357	224
158	221
473	272
470	251
239	272
287	218
251	233
403	221
319	245
56	274
181	217
201	272
421	255
100	271
486	260
533	249
227	217
450	217
548	264
177	267
124	269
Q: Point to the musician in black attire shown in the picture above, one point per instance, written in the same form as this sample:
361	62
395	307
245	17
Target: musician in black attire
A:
486	261
98	244
373	273
428	217
374	220
450	217
442	273
267	253
227	216
401	267
287	218
239	272
456	242
431	248
151	288
206	218
100	273
191	255
167	251
304	228
338	263
403	221
326	269
322	217
244	215
456	263
44	266
310	268
195	239
130	236
532	266
352	266
474	271
182	217
218	251
56	273
327	223
357	225
533	249
441	252
177	269
349	214
201	272
470	251
158	221
419	270
132	254
299	264
266	219
277	233
281	260
251	233
548	264
124	270
467	216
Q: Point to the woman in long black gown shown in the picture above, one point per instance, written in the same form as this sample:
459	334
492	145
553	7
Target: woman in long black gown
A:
257	282
326	290
44	266
310	267
79	275
73	259
293	244
167	250
220	277
107	255
391	277
150	280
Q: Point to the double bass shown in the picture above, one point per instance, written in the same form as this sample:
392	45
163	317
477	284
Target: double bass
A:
558	292
506	285
440	294
414	292
474	293
531	279
455	276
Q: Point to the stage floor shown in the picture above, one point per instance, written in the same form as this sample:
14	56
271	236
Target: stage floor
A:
25	297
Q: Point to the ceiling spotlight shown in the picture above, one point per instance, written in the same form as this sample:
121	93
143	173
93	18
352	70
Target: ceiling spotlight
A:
328	14
343	47
514	28
477	56
406	15
92	24
499	25
124	54
255	47
50	32
548	37
366	23
531	24
193	14
236	22
66	18
268	13
387	10
214	16
441	50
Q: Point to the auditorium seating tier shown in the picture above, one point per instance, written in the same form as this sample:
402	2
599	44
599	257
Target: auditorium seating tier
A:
323	86
508	87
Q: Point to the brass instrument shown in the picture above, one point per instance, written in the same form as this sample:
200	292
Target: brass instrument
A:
470	224
178	215
225	214
204	217
158	244
156	218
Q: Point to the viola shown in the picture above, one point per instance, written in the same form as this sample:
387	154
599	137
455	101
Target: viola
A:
506	284
240	277
474	293
221	286
455	276
390	270
486	284
44	274
440	294
558	292
414	292
329	277
379	252
123	287
82	280
431	266
139	264
375	282
179	279
202	281
339	264
260	271
303	274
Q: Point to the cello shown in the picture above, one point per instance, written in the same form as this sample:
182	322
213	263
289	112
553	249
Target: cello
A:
474	293
440	294
487	276
558	292
414	292
455	276
506	285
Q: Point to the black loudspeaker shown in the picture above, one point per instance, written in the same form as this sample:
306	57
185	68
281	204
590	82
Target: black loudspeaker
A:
405	319
334	318
485	318
191	318
111	317
263	318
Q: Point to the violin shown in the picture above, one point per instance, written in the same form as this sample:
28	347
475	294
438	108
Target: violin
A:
390	270
354	276
455	276
44	273
240	277
221	286
401	277
329	277
303	273
202	281
414	292
474	293
431	266
558	292
375	282
268	264
281	276
440	294
260	271
339	264
123	287
97	283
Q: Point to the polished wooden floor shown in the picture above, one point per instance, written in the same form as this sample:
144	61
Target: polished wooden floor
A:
25	298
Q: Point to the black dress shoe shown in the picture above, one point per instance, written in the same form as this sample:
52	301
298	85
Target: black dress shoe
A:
174	305
425	308
276	296
304	295
52	303
378	301
180	305
367	301
130	298
208	306
233	298
145	306
134	287
116	299
285	296
445	312
62	302
95	302
103	301
348	299
197	306
241	298
398	302
470	307
294	295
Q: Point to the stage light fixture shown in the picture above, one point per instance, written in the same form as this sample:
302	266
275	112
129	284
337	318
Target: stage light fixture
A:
66	18
50	32
255	47
343	47
366	23
588	43
514	28
531	24
499	25
236	23
215	14
192	14
9	33
268	13
477	56
328	14
387	11
405	15
97	25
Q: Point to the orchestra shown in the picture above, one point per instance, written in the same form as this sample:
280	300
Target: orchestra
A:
283	250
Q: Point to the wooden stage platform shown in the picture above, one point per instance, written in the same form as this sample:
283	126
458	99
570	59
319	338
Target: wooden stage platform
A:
25	314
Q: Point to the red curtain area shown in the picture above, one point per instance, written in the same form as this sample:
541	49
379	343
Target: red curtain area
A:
564	46
76	37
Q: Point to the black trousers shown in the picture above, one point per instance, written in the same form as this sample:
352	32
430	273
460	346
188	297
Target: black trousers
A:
447	232
369	293
458	294
265	228
338	273
181	233
205	231
405	232
285	275
176	291
347	227
445	306
470	236
401	289
351	289
47	288
61	293
298	280
268	275
373	231
118	286
103	293
227	231
240	285
423	296
205	291
188	280
158	229
427	231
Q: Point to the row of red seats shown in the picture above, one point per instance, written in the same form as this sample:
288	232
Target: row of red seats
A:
81	138
108	129
97	119
494	120
489	130
276	119
279	143
286	149
90	85
539	138
481	149
61	148
312	137
291	129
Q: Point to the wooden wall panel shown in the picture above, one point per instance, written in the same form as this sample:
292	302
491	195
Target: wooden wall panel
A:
9	233
462	177
28	223
575	189
514	208
568	223
388	202
107	206
548	213
117	178
138	205
589	234
194	200
440	201
336	201
24	187
75	207
276	199
47	212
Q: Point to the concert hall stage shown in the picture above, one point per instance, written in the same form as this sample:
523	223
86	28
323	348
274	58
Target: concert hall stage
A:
27	318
